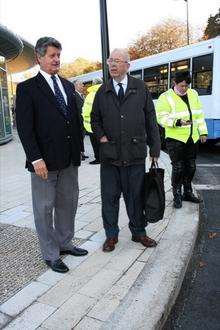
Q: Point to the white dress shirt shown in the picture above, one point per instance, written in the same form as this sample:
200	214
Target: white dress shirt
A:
124	83
49	80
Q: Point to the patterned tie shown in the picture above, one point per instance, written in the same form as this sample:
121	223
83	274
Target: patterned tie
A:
120	93
59	96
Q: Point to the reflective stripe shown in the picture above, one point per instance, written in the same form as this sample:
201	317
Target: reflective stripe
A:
200	121
171	103
167	122
197	112
202	127
176	114
185	126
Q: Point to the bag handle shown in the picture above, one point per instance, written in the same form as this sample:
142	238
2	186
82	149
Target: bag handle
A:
154	165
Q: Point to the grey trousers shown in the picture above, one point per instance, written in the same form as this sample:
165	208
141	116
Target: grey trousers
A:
55	203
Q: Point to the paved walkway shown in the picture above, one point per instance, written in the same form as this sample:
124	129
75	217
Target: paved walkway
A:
130	288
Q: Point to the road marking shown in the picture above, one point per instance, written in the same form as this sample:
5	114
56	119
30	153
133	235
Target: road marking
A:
207	187
208	165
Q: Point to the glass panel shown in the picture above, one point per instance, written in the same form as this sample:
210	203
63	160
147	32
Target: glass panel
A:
2	129
3	79
202	74
6	111
156	79
136	74
183	65
2	62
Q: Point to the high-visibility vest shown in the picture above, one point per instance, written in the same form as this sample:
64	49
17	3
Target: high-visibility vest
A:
87	107
170	107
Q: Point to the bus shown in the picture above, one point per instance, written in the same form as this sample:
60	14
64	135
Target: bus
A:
202	59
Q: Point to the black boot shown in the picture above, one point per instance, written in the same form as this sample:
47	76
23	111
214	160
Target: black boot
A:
177	197
188	194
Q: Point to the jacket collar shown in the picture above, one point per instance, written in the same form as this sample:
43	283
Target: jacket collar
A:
131	84
131	88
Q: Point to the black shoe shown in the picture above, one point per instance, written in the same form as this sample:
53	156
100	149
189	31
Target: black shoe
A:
177	202
75	251
190	197
57	266
94	162
83	157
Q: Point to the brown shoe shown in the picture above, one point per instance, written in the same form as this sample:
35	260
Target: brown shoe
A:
109	244
145	241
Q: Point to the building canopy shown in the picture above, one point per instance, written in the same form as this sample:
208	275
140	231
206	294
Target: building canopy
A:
19	54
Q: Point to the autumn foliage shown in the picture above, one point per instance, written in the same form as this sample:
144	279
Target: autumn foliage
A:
169	34
78	67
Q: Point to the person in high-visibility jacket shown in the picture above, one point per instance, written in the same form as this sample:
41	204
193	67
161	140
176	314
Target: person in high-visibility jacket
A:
86	112
179	111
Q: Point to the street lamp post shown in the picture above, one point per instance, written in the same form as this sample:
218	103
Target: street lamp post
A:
104	38
187	21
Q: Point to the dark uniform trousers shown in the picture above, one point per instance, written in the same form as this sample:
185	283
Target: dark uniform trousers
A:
129	181
183	160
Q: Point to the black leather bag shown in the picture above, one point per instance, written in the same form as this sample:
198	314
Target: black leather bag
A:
154	194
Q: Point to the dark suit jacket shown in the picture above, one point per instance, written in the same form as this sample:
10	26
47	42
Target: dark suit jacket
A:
42	127
129	126
79	101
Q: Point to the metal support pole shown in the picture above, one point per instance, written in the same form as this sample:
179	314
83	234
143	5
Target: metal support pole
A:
187	21
104	38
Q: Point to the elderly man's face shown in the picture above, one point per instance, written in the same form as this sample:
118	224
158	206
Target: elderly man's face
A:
50	62
118	65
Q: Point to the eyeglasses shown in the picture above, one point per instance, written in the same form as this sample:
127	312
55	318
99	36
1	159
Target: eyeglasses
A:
116	61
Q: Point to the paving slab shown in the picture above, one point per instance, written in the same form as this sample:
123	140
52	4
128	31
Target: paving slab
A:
129	288
70	313
32	317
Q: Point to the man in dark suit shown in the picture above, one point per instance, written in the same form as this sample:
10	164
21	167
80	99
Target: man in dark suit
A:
124	121
49	127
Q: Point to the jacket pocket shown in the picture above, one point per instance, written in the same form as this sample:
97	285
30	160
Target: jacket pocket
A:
138	147
108	151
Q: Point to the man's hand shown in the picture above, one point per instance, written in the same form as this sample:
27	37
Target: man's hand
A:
41	169
203	138
103	139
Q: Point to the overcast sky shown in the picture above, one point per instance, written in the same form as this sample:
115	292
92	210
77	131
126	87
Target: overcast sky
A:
76	23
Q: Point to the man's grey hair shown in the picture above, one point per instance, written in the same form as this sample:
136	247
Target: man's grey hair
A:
44	42
124	52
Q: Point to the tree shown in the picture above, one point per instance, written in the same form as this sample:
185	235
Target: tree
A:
169	34
78	67
212	29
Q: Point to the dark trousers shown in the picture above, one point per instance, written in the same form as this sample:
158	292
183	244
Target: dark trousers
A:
183	160
129	181
95	145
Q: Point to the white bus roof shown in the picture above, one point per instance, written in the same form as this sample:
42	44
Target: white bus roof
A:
196	49
176	54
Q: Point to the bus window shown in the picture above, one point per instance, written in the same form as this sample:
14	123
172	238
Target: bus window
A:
136	74
156	79
202	74
183	65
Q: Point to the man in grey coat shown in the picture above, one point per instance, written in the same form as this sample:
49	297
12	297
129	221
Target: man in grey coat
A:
124	121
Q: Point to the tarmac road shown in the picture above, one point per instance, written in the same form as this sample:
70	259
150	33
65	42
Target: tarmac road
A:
198	304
